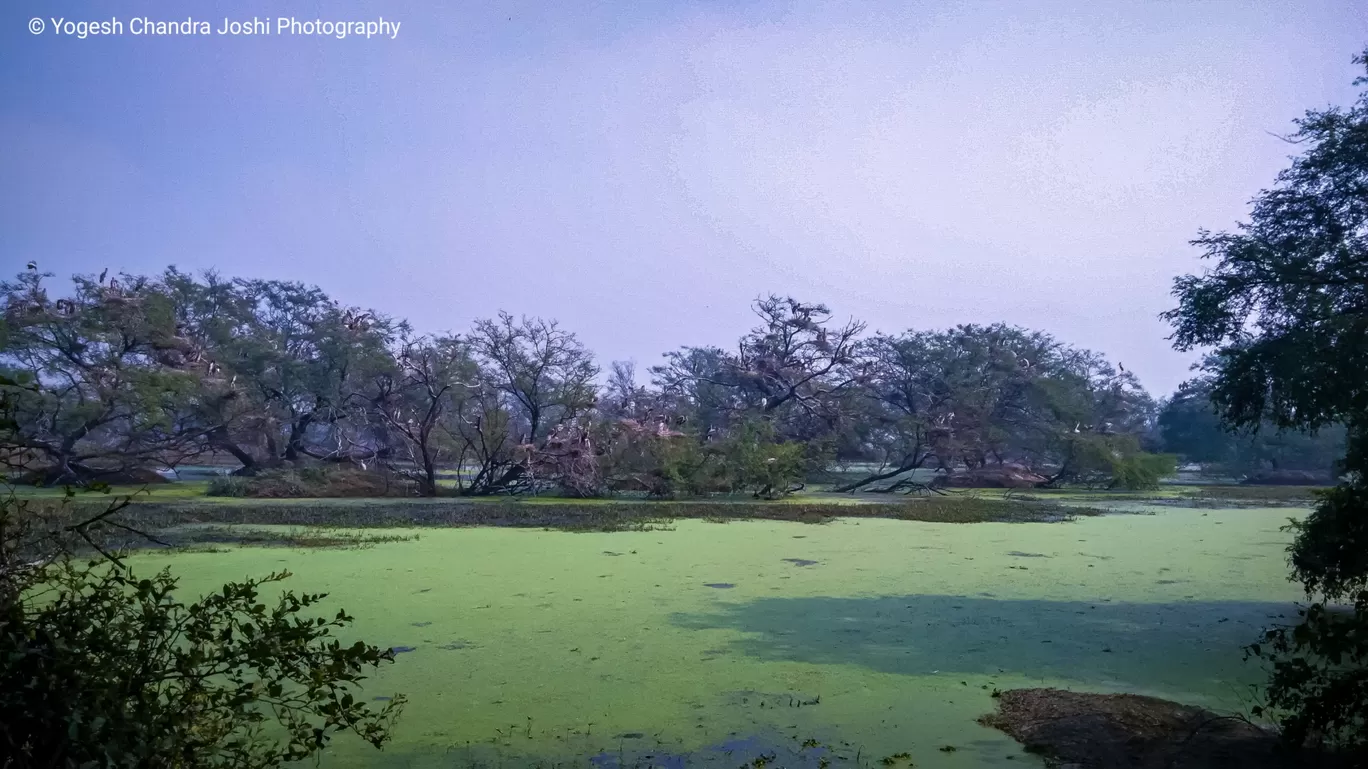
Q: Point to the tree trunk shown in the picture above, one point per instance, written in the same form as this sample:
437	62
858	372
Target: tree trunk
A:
295	447
220	439
903	468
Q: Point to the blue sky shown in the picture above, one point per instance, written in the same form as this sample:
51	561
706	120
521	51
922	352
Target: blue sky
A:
642	170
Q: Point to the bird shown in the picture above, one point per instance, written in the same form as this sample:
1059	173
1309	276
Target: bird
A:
33	266
1123	368
103	273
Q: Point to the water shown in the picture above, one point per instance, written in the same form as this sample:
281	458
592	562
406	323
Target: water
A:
870	637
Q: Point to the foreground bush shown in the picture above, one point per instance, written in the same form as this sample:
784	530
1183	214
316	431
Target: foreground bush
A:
100	668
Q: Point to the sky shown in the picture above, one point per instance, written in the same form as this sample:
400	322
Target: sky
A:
642	170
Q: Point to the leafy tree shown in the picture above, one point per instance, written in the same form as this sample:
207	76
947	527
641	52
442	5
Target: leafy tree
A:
793	368
985	396
1286	308
1116	461
697	384
756	461
111	380
293	357
650	457
102	668
908	384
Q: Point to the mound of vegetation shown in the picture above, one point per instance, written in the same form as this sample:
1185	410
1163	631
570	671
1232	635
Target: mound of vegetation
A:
310	481
1127	731
570	515
1254	496
1288	478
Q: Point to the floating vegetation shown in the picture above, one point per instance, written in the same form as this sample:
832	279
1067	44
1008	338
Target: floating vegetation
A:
325	522
875	631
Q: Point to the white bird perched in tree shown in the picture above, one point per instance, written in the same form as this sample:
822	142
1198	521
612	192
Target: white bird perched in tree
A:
33	266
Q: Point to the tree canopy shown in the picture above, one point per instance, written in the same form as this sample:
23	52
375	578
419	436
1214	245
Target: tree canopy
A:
146	372
1285	307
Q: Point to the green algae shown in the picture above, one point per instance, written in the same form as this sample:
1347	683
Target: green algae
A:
542	647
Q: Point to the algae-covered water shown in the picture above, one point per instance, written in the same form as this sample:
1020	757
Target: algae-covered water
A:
711	644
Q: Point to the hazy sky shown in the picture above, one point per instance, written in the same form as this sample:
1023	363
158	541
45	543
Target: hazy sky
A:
643	170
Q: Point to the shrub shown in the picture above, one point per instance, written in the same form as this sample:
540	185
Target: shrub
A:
311	481
754	461
110	670
100	668
227	486
1142	470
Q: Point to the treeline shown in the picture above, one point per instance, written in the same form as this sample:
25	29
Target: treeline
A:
1190	427
136	372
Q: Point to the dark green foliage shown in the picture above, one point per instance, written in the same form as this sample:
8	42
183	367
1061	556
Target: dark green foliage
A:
1142	470
1190	426
100	668
756	462
1320	676
1286	307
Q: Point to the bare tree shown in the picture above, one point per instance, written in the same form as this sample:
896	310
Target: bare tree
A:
543	371
417	400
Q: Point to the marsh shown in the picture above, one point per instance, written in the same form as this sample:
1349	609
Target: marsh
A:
534	647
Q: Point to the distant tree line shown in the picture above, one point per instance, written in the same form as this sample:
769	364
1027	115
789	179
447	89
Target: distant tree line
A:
1190	426
130	373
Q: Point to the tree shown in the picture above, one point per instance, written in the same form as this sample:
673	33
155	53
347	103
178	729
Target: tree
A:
984	397
544	372
697	385
110	374
416	400
794	368
294	357
755	460
906	382
1286	309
